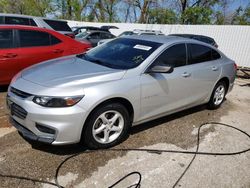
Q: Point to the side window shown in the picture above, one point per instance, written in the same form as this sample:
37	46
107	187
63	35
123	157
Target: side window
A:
215	55
6	39
1	19
54	40
58	25
32	22
33	38
16	20
106	36
94	36
175	56
199	53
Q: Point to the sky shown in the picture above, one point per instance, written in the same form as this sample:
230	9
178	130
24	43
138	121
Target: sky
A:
236	3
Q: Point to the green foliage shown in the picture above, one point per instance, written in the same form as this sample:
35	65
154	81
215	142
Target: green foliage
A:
219	18
162	16
141	11
29	7
197	15
242	17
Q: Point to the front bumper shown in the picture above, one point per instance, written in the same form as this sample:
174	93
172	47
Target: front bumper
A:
30	135
66	123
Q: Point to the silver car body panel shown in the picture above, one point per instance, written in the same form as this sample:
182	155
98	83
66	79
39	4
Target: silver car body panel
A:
151	95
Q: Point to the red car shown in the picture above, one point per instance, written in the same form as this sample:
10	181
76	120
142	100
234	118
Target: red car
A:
22	46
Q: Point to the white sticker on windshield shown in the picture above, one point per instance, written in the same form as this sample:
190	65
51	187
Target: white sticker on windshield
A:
142	47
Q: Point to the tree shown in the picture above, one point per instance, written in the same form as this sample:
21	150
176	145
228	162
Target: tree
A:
242	16
197	15
162	16
29	7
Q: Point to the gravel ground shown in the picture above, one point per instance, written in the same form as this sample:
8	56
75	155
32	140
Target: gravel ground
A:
178	132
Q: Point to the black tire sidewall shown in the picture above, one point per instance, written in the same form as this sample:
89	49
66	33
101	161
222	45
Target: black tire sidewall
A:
211	104
87	135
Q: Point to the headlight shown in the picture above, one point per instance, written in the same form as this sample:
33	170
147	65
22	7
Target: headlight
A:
56	101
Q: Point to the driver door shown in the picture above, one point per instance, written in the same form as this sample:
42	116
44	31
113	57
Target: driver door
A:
167	92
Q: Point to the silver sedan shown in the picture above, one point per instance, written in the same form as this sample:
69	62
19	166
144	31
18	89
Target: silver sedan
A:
96	97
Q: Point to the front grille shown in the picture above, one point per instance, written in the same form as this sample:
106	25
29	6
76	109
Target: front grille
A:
19	93
18	111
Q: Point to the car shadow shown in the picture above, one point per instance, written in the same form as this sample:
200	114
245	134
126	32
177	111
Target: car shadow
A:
3	88
151	124
80	148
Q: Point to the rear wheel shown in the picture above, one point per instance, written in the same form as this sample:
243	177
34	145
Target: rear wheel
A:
217	96
107	126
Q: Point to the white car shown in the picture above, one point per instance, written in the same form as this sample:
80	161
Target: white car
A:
58	25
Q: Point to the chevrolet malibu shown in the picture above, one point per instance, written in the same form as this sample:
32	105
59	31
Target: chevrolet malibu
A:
95	97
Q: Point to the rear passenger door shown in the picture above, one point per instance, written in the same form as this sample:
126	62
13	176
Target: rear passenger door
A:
37	46
167	92
204	69
8	56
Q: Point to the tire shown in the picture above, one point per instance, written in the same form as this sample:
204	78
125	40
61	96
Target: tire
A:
218	95
109	120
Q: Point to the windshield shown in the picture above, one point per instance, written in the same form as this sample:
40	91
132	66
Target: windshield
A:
122	53
82	35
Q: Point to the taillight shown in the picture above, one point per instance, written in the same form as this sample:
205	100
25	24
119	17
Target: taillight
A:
235	66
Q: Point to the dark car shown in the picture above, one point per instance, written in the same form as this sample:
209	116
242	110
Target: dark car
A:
201	38
81	29
94	36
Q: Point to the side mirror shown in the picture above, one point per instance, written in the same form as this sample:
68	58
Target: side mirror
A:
161	69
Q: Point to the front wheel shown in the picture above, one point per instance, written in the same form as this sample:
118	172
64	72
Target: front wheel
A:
217	96
107	126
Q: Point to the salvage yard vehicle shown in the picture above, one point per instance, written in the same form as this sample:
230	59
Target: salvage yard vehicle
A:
22	46
134	32
95	97
80	29
60	26
94	36
201	38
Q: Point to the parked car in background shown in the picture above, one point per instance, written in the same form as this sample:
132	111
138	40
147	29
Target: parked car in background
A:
94	36
134	32
81	29
57	25
22	46
201	38
96	97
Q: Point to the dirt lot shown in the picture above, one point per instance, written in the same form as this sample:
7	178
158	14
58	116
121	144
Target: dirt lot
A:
19	160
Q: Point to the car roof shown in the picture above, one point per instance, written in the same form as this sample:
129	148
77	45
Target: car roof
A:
160	38
27	16
191	35
97	31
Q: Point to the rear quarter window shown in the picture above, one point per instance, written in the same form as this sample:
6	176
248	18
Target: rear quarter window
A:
58	25
54	40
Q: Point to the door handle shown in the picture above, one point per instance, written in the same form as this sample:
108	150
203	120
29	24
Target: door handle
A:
57	51
214	68
9	55
185	74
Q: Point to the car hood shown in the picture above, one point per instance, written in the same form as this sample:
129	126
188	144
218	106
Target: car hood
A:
70	72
